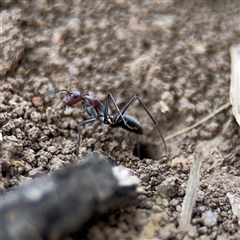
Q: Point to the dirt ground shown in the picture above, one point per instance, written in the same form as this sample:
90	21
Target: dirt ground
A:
174	55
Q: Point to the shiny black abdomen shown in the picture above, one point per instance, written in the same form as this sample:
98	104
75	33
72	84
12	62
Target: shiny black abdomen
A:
131	124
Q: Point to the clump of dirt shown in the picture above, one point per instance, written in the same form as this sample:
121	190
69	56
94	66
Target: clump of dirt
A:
173	55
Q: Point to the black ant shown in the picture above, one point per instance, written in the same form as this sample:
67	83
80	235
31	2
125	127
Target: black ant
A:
97	110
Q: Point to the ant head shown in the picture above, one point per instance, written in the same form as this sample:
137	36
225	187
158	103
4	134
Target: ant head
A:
71	99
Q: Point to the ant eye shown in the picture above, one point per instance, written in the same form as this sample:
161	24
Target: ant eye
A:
75	94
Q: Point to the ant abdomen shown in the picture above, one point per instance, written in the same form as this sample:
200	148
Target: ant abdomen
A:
129	123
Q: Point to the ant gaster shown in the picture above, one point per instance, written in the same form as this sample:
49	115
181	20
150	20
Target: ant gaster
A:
97	110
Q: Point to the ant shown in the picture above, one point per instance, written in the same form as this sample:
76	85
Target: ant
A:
97	110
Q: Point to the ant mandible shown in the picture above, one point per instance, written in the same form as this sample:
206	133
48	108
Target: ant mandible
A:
97	110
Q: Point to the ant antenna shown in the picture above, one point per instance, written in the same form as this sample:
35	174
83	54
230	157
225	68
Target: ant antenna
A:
47	94
70	85
63	90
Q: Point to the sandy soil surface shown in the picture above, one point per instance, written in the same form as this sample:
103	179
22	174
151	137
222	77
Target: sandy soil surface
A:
174	55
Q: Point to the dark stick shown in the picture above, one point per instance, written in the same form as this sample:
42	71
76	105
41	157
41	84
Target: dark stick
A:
60	203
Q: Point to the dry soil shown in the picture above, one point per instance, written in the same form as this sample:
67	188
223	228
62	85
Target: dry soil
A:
174	55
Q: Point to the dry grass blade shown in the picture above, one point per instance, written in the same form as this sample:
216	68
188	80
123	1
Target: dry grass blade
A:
235	81
191	190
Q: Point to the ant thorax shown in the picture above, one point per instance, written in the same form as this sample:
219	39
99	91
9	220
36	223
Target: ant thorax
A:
106	120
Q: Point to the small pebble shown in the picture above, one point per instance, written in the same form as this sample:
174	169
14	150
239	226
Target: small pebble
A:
36	117
209	219
144	178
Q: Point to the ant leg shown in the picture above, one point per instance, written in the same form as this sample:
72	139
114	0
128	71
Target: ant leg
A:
110	96
138	147
149	114
123	110
79	132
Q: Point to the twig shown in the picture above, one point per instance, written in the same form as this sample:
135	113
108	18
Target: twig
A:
218	110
